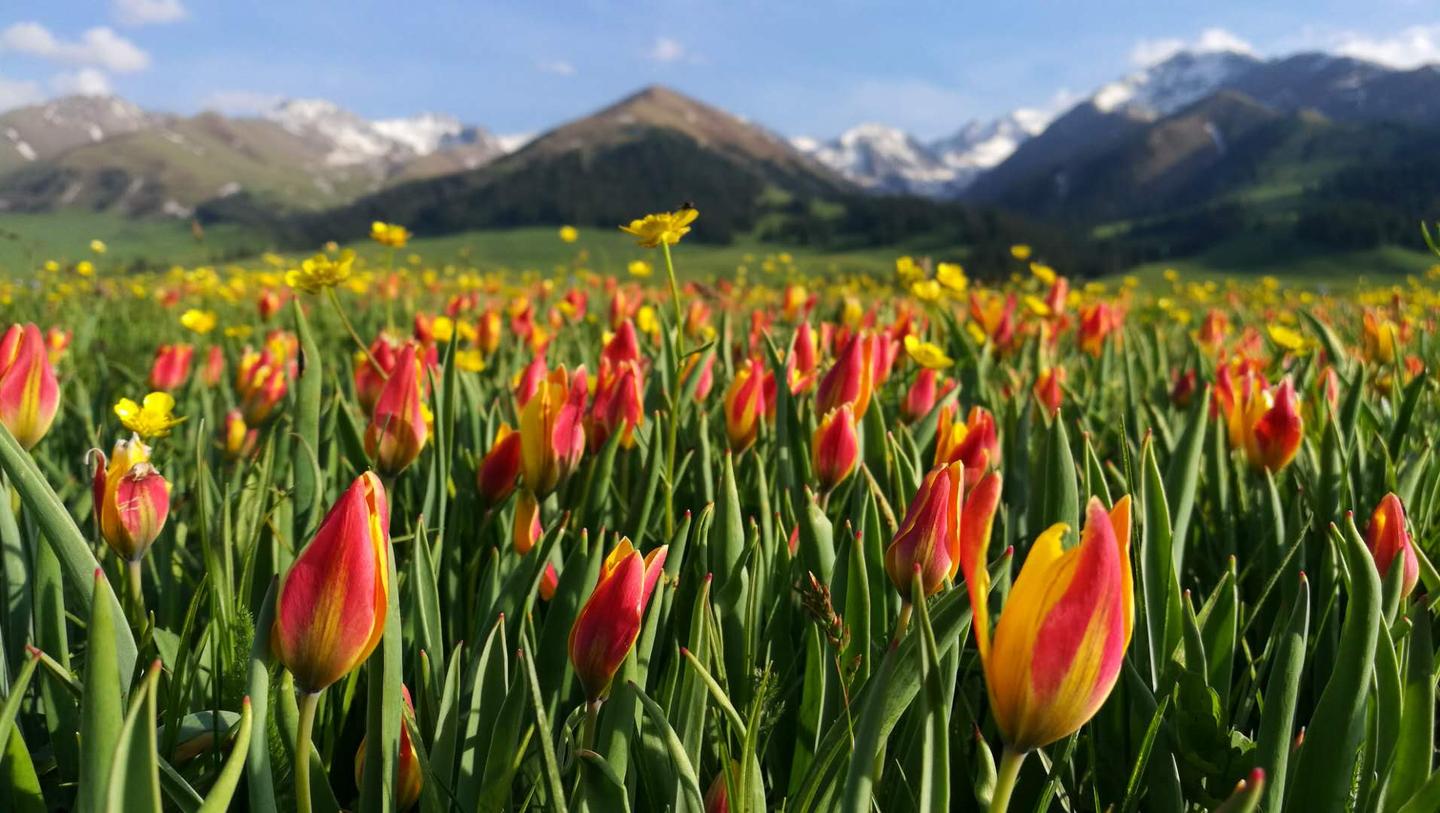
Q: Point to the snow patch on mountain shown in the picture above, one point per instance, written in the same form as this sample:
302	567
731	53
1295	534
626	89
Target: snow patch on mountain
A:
1168	86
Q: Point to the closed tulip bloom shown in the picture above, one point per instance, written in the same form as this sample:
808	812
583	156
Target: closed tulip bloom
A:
835	448
409	779
399	425
1048	389
607	626
261	382
801	365
214	370
487	332
707	375
850	379
1097	322
29	396
529	380
623	346
937	525
1265	423
527	529
132	500
745	405
268	304
552	430
370	378
239	440
619	404
500	469
1062	635
920	397
330	612
973	443
1389	541
171	366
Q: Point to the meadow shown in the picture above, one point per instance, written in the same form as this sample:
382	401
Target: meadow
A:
596	521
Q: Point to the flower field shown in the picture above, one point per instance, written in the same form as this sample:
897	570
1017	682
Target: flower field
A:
371	533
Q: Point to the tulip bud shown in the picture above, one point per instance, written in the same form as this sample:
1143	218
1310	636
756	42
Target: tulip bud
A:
1388	538
707	375
527	528
552	430
929	538
1265	423
268	304
239	439
1048	391
29	396
745	405
409	779
500	468
973	443
131	499
399	425
607	626
623	346
801	365
214	371
835	448
549	582
1058	648
370	379
850	379
487	332
57	343
619	404
717	797
1183	392
529	381
261	382
920	398
171	366
330	612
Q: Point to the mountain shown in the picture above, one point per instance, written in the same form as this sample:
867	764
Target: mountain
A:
980	145
648	152
104	153
883	159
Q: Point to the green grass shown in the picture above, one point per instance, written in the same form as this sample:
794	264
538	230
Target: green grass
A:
27	241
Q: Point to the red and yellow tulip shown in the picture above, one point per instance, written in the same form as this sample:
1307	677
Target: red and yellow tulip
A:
939	524
132	500
330	612
607	626
171	366
1263	422
399	425
498	472
973	443
552	430
745	404
409	779
29	396
1389	541
851	378
835	447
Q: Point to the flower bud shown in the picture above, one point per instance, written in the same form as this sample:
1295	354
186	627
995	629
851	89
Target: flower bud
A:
29	396
171	367
552	430
619	404
399	425
850	379
131	499
835	447
239	440
745	404
607	626
409	779
1389	540
500	469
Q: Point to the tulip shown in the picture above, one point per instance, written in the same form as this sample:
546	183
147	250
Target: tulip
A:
745	405
239	440
973	443
131	499
57	343
717	796
1183	392
1266	424
607	626
1388	538
500	469
330	611
527	528
171	366
849	380
801	365
706	381
920	397
995	317
398	427
29	396
529	381
261	381
938	524
1057	650
214	370
370	378
408	777
619	404
549	582
1380	338
623	346
1048	391
552	431
835	448
1097	322
487	332
268	304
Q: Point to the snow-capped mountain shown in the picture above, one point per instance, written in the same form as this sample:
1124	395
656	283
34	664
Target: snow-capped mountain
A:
981	145
1177	82
883	159
350	139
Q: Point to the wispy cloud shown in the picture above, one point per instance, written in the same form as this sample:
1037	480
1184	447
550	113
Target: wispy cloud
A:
667	49
18	92
1149	52
84	82
147	12
556	67
99	47
1414	46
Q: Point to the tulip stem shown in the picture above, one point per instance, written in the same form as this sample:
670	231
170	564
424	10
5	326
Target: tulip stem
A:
1010	762
902	623
364	348
679	316
134	571
309	701
592	717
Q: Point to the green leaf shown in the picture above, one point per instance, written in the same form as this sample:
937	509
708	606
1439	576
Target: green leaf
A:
306	449
383	707
1282	692
218	801
135	770
684	768
1414	747
259	783
1059	495
101	716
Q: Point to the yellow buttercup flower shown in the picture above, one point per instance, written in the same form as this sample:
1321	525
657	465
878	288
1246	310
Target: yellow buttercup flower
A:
1286	338
471	361
665	227
85	268
321	272
569	234
1020	251
639	268
151	418
927	354
1043	272
97	246
926	290
952	276
201	322
389	234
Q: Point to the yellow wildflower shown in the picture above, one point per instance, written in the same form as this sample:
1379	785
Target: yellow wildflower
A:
569	234
1020	251
639	268
1043	272
1286	337
665	227
201	322
389	234
97	246
927	354
320	272
150	419
926	290
471	361
85	268
952	276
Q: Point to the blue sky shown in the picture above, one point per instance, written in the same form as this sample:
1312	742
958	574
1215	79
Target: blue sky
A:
810	68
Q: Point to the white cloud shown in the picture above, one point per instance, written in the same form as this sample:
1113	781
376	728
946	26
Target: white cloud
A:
666	49
558	67
18	93
100	47
1415	46
84	82
1154	51
241	102
147	12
